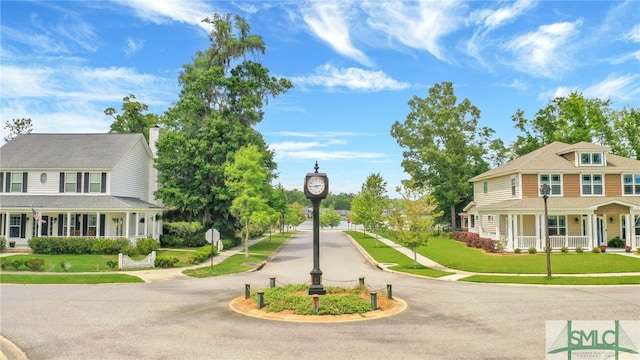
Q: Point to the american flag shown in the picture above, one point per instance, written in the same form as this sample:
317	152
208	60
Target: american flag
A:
37	216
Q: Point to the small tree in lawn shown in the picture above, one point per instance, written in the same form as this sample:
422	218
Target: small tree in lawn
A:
246	178
329	217
413	224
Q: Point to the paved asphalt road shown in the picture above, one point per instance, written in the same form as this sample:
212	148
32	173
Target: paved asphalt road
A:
191	319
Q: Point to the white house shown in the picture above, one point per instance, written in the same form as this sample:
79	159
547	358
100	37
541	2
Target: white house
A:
87	185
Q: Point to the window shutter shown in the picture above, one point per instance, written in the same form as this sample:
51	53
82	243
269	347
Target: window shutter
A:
61	182
1	182
103	183
60	224
86	182
85	220
78	182
8	184
23	225
102	219
25	177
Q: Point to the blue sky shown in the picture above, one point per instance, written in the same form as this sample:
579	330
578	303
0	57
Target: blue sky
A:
354	65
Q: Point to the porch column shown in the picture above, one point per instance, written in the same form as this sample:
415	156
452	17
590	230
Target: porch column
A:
126	224
7	218
538	230
137	227
68	225
98	224
510	237
479	224
498	226
591	220
628	229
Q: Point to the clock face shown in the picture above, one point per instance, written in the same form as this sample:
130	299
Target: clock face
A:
316	185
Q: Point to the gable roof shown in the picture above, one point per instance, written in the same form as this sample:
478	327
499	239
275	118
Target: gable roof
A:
67	151
549	158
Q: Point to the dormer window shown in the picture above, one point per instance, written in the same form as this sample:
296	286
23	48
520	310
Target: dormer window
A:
591	159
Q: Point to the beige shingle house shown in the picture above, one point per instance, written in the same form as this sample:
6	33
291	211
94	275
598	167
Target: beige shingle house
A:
595	197
89	185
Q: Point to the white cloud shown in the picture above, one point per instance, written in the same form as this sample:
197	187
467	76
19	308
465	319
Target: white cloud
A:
132	46
545	51
492	19
633	34
418	25
166	11
622	88
350	78
328	21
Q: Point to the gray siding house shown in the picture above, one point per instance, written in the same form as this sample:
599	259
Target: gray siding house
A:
85	185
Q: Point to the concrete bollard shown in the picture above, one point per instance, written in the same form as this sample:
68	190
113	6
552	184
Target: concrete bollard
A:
389	292
374	301
272	282
361	280
260	299
247	290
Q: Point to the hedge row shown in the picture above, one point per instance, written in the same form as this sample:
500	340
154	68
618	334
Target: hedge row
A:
81	245
474	240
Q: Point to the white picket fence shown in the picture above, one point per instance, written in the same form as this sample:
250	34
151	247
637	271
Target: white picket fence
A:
125	262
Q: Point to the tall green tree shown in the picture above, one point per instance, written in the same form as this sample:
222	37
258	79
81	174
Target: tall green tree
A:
16	127
278	202
295	214
247	178
329	217
133	118
368	205
413	223
222	97
573	119
445	146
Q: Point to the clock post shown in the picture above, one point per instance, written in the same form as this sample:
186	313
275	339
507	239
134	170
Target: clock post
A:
316	188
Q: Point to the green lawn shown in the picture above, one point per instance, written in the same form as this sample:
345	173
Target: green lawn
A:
385	254
258	253
555	280
456	255
67	278
90	262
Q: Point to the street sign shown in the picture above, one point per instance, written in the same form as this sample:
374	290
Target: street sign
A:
212	235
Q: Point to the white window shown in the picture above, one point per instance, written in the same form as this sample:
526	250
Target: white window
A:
15	226
631	184
592	184
70	182
16	182
95	182
557	225
513	185
594	159
554	181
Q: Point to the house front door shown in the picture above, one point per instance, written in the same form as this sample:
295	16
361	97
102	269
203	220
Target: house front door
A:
44	226
600	231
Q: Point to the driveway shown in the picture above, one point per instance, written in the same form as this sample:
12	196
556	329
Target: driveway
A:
191	319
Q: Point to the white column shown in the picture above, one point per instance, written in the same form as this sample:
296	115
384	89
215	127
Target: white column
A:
630	225
7	217
98	224
68	225
126	226
593	229
538	230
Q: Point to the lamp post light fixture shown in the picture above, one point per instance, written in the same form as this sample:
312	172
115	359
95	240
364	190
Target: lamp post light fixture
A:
545	190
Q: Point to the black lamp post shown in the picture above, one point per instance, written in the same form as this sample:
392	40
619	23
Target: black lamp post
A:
316	188
545	190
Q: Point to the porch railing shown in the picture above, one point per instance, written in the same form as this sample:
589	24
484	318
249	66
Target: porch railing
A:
525	242
635	242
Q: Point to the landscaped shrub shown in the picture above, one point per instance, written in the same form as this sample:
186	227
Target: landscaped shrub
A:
166	261
579	250
112	264
202	254
616	242
564	249
532	250
517	250
35	264
226	243
61	245
130	250
190	234
17	263
108	246
596	250
3	243
146	246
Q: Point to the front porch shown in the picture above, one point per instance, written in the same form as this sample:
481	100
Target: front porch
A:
524	231
20	227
